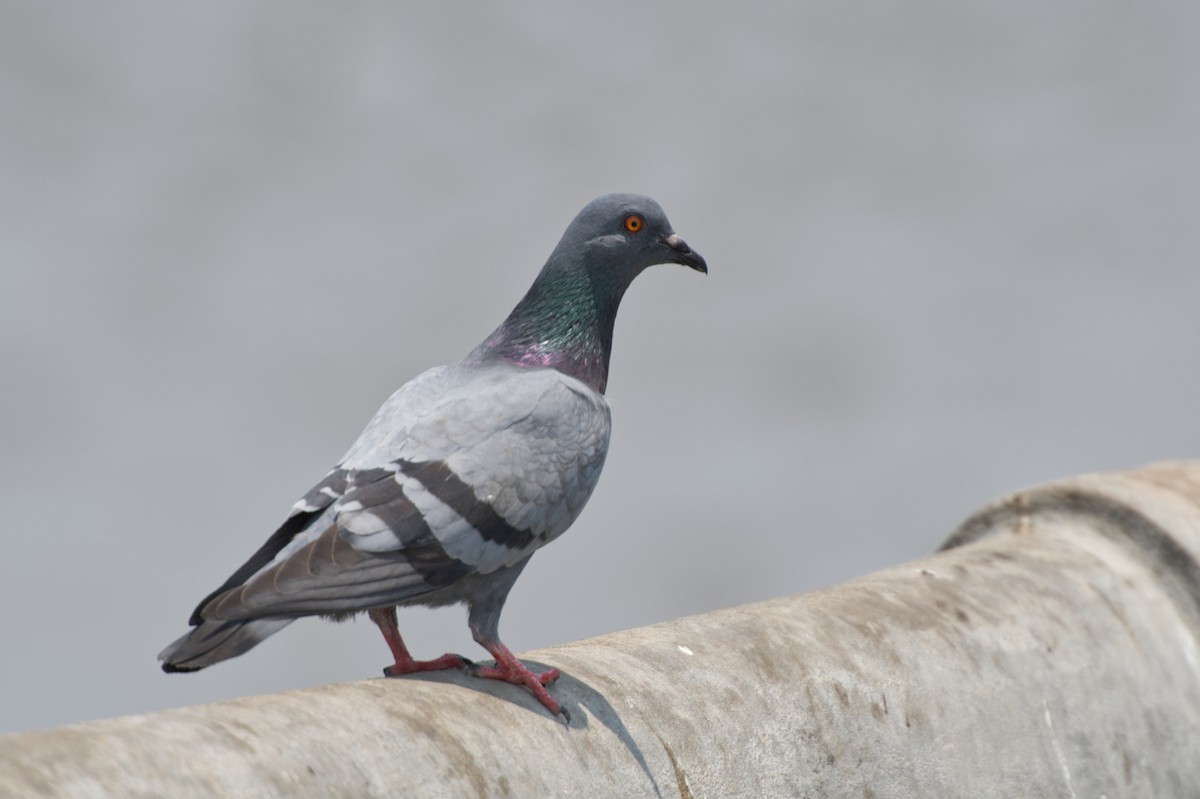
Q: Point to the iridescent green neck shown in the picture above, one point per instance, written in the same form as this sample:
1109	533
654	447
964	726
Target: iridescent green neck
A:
565	321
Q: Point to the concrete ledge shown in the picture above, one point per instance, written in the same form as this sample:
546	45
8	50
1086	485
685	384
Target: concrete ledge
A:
1050	650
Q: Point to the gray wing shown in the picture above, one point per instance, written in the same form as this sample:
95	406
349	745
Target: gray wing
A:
494	468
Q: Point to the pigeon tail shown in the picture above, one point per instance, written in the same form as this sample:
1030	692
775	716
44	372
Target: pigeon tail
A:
213	641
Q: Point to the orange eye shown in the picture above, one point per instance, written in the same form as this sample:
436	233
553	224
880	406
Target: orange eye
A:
633	223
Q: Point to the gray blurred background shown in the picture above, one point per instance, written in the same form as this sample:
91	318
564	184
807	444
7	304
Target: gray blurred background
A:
953	252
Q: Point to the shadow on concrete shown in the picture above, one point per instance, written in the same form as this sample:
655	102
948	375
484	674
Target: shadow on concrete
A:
573	694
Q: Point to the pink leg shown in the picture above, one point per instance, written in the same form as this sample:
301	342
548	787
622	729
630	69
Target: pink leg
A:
385	619
509	669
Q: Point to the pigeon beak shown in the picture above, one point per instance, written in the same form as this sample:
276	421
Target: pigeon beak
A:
681	253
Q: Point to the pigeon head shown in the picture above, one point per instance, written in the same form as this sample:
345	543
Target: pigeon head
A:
616	236
565	321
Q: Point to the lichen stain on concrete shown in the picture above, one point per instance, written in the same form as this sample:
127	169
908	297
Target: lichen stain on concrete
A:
880	709
843	697
1116	611
458	760
232	728
680	778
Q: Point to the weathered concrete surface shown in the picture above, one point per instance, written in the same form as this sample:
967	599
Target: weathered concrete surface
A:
1049	651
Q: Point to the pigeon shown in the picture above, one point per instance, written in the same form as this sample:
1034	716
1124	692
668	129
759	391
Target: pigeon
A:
462	474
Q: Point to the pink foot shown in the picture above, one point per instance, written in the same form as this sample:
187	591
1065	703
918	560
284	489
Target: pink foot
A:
511	670
515	677
385	618
410	666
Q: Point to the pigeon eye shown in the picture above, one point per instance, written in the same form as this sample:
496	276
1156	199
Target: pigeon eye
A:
633	223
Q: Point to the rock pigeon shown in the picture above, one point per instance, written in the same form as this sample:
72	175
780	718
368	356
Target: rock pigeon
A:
462	474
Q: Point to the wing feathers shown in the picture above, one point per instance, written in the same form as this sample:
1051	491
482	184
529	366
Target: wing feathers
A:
329	575
443	483
320	497
496	465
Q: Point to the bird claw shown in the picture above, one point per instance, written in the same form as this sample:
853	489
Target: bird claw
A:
446	661
517	673
513	675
